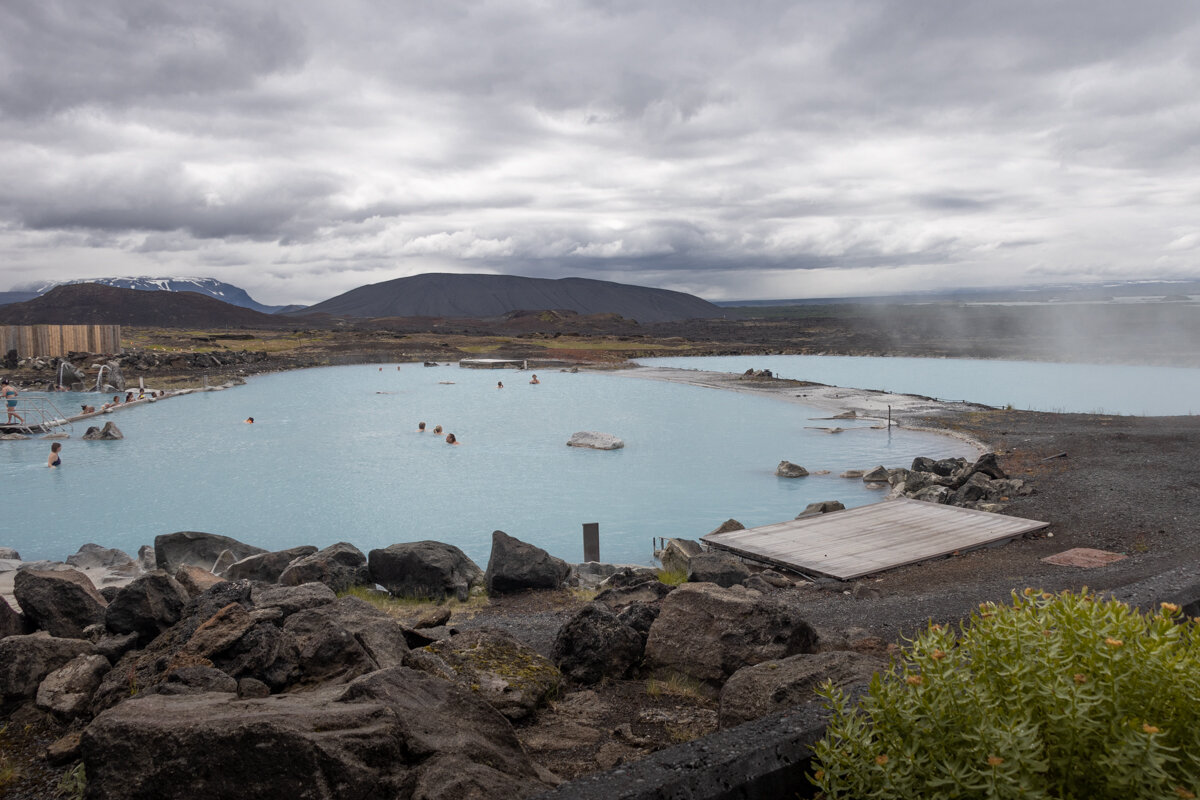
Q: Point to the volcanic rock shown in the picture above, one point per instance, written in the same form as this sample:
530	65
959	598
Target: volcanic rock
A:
516	566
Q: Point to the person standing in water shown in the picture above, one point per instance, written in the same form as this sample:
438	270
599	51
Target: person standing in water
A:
420	427
534	379
54	459
499	384
450	439
10	401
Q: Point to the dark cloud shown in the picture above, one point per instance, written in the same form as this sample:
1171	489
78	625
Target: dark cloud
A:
772	147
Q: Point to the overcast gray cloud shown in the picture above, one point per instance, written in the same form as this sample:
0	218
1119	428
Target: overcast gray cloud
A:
760	149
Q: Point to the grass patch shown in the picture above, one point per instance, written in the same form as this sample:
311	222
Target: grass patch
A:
73	783
394	605
583	595
672	577
680	686
479	348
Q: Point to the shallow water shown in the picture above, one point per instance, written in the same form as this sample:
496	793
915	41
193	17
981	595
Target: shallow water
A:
1028	385
334	456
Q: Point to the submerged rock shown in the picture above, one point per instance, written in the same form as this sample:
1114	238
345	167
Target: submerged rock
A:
787	469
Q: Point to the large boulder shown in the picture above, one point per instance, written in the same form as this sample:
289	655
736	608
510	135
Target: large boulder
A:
11	623
787	469
61	602
147	606
110	432
432	570
775	685
708	632
9	554
594	644
394	733
676	554
266	567
173	550
631	586
94	556
515	566
26	660
338	566
989	465
512	677
290	599
343	640
67	691
595	440
722	569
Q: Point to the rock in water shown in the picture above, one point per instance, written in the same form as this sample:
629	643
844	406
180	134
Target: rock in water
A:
787	469
61	602
394	733
108	433
515	566
595	440
424	569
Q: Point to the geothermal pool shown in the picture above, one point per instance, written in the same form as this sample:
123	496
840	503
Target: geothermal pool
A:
1029	385
334	455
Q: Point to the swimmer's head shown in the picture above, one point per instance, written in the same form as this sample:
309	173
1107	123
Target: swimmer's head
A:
421	426
450	439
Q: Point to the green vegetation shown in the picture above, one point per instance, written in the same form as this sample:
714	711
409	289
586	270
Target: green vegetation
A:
1056	696
675	577
8	773
72	784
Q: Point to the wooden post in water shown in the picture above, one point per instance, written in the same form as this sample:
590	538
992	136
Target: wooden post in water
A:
889	417
591	541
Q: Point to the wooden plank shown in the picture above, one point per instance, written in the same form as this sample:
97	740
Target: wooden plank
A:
880	536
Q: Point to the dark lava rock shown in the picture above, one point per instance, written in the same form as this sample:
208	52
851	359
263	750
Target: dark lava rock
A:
173	550
266	567
338	566
61	602
424	569
147	606
594	644
515	566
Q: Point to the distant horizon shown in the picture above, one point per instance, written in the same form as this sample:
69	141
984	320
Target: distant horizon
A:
724	303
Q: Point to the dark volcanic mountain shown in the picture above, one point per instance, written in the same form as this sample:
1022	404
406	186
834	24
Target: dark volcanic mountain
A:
480	296
93	304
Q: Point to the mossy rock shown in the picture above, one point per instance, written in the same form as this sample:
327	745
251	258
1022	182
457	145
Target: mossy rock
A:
512	677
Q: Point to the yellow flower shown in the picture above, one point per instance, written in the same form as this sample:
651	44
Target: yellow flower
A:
1047	596
1080	677
937	655
913	680
881	760
1148	728
1028	591
1111	642
819	774
935	627
995	761
1170	608
1184	793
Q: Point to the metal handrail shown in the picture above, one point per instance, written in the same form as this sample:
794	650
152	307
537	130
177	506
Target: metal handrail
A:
39	414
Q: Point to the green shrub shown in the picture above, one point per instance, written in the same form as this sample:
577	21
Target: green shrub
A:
1056	696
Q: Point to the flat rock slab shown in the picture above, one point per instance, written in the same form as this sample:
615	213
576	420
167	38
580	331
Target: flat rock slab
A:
1086	557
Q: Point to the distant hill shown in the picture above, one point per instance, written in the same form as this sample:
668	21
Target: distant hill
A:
481	296
94	304
211	287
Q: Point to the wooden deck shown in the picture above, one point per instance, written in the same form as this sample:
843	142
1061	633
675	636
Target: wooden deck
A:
870	539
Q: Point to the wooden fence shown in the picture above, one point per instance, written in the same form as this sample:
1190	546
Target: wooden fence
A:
58	340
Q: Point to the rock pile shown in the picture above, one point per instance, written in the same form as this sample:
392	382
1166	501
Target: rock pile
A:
981	485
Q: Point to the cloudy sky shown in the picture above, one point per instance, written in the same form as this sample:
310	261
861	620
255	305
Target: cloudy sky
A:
734	150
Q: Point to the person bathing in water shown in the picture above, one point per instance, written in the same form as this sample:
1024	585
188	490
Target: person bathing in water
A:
54	460
450	439
534	379
420	427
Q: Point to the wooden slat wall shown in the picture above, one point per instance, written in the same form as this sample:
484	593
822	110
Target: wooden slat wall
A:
58	340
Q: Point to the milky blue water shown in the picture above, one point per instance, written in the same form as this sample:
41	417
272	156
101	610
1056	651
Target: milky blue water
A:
334	456
1029	385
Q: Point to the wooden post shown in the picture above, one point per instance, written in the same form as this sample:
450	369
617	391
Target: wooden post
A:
889	417
591	541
